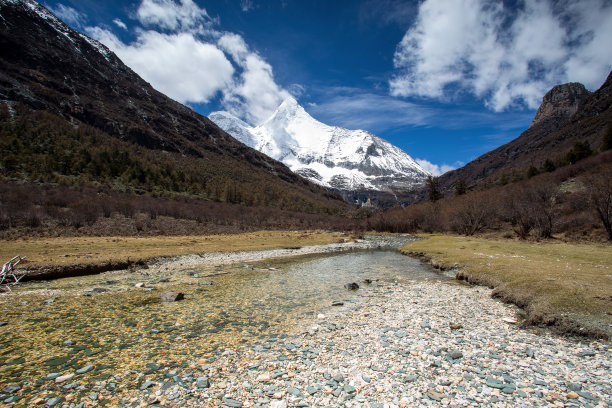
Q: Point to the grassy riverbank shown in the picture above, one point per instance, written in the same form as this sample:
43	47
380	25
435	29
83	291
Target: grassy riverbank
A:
49	252
567	286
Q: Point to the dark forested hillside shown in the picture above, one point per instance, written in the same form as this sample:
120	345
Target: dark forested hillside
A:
72	113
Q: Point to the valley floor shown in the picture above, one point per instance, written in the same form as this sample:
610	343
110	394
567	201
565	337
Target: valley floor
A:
567	286
49	257
403	343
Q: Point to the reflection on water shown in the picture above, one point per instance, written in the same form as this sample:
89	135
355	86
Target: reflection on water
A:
105	321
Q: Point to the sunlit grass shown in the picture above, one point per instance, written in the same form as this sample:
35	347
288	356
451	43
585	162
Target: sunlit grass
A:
77	250
555	282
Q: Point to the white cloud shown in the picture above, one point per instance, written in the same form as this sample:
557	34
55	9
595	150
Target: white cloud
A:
255	95
178	65
434	169
185	57
119	23
68	15
171	15
505	58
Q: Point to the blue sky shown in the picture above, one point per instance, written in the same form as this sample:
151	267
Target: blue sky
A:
445	80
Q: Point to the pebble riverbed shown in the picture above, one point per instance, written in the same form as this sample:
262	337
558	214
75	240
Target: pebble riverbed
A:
391	343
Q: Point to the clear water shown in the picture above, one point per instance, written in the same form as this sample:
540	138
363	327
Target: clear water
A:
126	329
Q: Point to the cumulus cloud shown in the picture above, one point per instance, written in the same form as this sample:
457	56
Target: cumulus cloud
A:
171	15
255	94
506	57
68	15
182	55
119	23
434	169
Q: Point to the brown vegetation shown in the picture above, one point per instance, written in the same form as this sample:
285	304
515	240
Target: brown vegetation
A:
573	202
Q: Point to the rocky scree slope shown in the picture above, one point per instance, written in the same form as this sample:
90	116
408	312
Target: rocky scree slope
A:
47	66
350	161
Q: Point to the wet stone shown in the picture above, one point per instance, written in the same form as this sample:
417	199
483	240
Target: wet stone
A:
9	389
54	401
171	296
147	384
12	399
85	369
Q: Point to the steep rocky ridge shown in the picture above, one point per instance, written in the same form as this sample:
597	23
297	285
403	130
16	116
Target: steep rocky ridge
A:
50	67
568	114
561	102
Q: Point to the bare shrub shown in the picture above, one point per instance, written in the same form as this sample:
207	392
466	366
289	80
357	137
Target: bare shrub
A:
599	188
470	213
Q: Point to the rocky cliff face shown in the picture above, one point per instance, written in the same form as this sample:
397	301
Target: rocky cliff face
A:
569	113
561	102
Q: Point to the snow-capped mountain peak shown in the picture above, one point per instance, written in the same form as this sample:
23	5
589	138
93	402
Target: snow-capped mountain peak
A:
347	160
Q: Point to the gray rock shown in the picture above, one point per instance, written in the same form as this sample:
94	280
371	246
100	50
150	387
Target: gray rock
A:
586	353
171	296
352	286
48	301
98	290
509	389
338	378
85	369
311	390
202	382
587	395
53	402
349	389
232	403
295	392
12	399
435	395
9	389
338	303
425	325
93	396
455	354
205	283
493	383
574	387
3	324
146	385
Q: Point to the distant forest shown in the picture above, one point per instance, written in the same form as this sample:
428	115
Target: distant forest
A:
58	179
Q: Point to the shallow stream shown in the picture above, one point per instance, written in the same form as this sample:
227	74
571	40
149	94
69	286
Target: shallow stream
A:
106	322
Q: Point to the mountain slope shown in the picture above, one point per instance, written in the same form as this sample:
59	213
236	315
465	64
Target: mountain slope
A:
568	114
49	67
346	160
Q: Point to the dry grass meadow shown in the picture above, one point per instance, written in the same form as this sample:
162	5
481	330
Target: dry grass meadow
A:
564	285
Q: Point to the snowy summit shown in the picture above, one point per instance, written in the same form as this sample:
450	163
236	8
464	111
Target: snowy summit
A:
343	159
